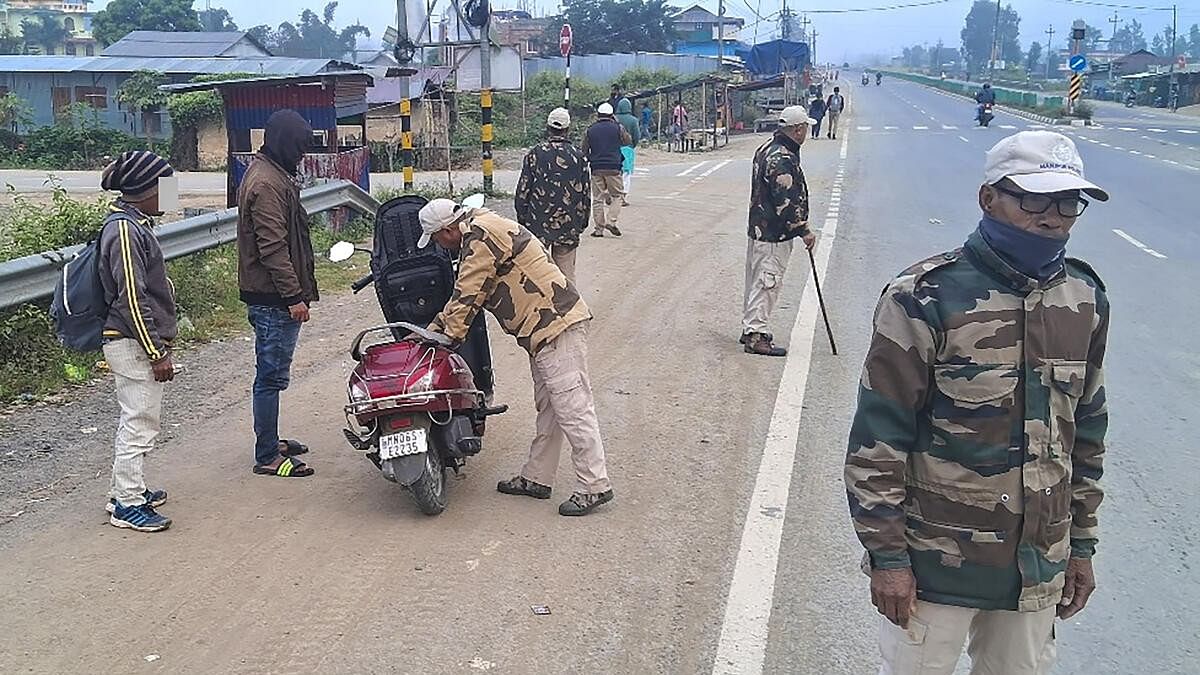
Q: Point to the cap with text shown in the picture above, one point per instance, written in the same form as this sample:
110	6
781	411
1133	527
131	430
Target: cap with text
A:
1041	162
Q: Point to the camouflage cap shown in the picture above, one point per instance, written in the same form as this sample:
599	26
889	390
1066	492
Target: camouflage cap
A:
1041	162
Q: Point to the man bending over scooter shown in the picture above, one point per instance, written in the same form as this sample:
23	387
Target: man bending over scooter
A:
505	269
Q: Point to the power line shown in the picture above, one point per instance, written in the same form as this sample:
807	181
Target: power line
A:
884	8
1110	5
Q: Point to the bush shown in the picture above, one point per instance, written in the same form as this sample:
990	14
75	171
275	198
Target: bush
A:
27	227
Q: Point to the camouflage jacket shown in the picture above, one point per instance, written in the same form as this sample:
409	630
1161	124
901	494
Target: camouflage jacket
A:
504	269
554	195
978	444
778	193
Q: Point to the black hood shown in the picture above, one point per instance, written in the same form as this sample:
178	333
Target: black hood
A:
287	137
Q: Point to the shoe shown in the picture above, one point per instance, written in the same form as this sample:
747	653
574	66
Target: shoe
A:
155	498
745	338
523	487
142	518
598	233
624	203
759	344
615	230
581	504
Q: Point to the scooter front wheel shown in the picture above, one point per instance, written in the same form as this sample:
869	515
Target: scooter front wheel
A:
429	491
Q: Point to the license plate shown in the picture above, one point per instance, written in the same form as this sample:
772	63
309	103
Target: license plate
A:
402	444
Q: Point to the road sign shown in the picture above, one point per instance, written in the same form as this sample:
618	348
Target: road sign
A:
564	40
391	37
1078	63
1076	89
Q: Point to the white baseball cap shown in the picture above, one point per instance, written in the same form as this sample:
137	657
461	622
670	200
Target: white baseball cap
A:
559	118
1041	162
604	109
436	216
795	115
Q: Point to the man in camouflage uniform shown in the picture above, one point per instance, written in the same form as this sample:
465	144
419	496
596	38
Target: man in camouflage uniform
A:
778	214
504	269
978	445
553	195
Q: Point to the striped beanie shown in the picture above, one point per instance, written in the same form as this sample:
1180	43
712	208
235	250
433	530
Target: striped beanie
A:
135	174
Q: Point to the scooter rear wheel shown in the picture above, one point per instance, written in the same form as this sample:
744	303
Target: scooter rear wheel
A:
430	489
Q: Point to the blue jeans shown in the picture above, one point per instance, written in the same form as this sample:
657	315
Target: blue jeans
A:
275	335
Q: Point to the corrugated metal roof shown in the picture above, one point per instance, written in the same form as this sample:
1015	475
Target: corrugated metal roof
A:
360	76
267	65
195	44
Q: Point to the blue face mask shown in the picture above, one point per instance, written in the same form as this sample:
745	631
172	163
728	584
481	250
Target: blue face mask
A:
1033	255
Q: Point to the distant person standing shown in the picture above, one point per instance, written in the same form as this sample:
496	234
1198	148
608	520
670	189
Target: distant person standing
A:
615	95
679	119
629	150
602	147
834	106
647	118
553	198
816	111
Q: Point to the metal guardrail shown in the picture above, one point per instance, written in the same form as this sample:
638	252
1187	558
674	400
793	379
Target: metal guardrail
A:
33	277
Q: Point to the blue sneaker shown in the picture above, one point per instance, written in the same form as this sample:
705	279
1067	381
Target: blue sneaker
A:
155	498
142	518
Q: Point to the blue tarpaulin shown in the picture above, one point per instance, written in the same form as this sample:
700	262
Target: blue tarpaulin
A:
774	57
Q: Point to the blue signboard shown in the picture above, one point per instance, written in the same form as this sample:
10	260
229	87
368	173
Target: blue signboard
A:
1078	63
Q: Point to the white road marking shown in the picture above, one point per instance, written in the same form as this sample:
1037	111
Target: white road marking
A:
890	128
1157	131
1007	126
1188	131
1106	145
963	139
864	128
1171	161
949	127
1126	128
920	128
688	171
715	168
1135	152
742	647
1117	147
1135	242
1151	157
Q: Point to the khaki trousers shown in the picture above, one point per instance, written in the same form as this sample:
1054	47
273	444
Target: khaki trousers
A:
562	393
999	642
607	193
766	263
140	398
564	257
833	122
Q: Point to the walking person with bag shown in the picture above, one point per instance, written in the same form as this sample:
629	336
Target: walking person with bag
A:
835	105
816	111
628	150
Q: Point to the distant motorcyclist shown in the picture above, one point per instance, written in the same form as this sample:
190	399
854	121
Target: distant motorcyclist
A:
984	97
878	78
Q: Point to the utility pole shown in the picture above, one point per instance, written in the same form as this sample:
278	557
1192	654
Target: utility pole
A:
804	23
1174	34
406	153
1115	20
485	100
814	46
1049	49
720	33
785	22
995	42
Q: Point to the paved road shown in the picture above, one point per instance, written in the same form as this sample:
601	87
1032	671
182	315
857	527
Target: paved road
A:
727	468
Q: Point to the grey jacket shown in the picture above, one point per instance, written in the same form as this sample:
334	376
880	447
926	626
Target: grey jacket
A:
141	299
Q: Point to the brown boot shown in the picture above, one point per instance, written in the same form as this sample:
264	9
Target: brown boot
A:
758	343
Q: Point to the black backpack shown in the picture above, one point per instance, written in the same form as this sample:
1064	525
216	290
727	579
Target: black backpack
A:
79	308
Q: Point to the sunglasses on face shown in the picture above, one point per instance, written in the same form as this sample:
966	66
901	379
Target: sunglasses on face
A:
1032	202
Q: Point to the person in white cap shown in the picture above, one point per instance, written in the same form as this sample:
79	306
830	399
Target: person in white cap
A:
503	267
602	147
552	197
977	449
778	215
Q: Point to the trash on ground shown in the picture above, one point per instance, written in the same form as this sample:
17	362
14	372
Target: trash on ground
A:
540	610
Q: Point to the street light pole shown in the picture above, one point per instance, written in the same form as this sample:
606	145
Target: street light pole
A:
1049	50
720	33
995	41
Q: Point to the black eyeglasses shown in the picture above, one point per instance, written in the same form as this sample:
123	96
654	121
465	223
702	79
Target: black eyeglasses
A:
1032	202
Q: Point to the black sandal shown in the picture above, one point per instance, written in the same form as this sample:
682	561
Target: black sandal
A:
293	448
288	468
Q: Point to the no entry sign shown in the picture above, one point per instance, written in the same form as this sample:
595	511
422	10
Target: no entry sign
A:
564	40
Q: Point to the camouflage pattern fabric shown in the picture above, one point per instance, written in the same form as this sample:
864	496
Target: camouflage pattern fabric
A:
978	444
778	194
554	195
504	269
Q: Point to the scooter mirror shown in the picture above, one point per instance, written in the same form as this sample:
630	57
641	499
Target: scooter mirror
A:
341	251
475	201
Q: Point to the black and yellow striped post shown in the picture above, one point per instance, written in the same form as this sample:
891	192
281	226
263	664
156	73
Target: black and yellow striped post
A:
1076	89
406	146
485	134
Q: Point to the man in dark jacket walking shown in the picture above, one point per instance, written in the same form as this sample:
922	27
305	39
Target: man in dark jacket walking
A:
277	280
552	199
816	111
602	147
137	332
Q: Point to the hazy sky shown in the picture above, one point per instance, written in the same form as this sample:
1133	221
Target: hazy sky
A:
840	36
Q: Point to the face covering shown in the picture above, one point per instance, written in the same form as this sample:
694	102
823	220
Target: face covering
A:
286	139
1033	255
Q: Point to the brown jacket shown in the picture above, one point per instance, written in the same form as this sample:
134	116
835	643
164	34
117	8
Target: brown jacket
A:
275	255
504	269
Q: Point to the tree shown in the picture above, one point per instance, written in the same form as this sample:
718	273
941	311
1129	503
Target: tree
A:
608	26
313	37
980	28
1034	58
1194	42
216	20
1129	38
122	17
1159	45
45	32
9	43
1092	37
15	113
141	93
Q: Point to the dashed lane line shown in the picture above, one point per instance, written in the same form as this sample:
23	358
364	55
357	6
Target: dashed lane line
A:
1145	249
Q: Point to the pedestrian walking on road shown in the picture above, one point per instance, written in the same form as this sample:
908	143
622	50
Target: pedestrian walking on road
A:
628	150
553	199
277	280
977	449
835	105
778	215
138	331
602	147
816	112
504	268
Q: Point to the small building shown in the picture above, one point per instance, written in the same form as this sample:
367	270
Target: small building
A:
74	17
519	29
191	44
1141	61
699	31
334	103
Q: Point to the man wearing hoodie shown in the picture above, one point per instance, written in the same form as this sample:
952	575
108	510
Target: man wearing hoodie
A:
602	147
628	150
277	280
